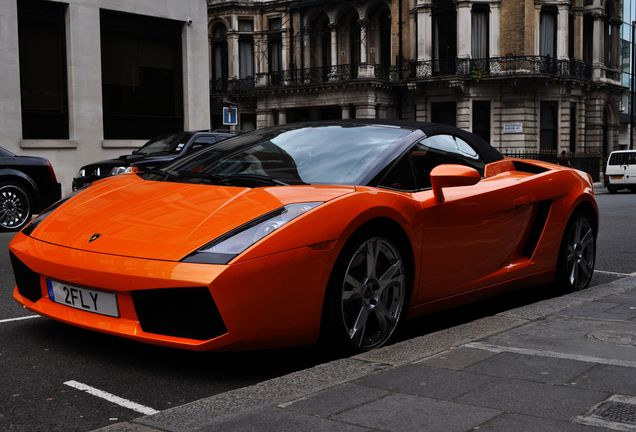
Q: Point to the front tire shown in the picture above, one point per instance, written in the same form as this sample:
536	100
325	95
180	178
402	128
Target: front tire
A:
577	254
15	207
367	294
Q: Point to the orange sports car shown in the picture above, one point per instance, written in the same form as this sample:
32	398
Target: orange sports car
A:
335	231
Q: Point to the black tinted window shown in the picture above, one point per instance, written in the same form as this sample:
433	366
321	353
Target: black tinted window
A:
628	158
400	176
442	149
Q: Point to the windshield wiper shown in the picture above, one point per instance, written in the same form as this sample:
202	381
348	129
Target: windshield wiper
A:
229	178
165	174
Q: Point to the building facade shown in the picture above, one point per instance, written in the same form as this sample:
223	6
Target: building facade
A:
84	80
529	75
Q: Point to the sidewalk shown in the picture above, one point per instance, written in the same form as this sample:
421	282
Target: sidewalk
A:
563	364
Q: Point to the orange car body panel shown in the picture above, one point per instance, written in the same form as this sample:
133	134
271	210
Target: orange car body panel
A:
271	295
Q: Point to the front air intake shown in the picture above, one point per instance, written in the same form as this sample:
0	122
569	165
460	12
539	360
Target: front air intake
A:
181	312
27	280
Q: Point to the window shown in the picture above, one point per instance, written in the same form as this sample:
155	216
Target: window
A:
442	149
444	37
141	75
444	112
43	81
246	49
479	36
400	176
588	38
202	141
572	128
547	32
275	49
481	119
549	123
219	56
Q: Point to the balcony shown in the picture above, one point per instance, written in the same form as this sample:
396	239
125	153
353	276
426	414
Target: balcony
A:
466	69
509	66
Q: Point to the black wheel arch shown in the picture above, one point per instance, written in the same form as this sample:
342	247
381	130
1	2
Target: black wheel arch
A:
15	176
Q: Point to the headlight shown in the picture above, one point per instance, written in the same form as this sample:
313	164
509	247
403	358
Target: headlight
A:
120	170
228	246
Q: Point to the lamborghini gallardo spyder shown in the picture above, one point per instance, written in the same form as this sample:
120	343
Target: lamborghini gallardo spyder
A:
327	231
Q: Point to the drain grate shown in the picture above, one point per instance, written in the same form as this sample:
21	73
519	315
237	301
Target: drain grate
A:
617	412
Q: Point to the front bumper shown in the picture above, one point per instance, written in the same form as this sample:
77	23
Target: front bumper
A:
269	302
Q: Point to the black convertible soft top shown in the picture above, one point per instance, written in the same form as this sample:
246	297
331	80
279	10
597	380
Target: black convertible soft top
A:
486	152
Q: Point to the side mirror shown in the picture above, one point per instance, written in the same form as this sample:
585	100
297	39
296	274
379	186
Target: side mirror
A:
445	176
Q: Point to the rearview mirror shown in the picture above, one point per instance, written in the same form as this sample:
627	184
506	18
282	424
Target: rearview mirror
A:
445	176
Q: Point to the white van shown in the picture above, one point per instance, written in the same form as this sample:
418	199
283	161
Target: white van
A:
620	172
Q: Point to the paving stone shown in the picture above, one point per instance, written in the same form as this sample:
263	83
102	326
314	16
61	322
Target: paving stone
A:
457	359
572	336
400	412
335	400
602	311
612	379
280	420
426	381
539	400
521	423
531	368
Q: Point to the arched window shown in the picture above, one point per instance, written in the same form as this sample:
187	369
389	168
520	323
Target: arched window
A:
219	53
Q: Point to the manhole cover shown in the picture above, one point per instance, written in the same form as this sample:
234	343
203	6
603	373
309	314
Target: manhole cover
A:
617	412
614	337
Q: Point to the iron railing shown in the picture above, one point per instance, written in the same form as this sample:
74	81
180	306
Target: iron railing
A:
463	68
478	69
588	162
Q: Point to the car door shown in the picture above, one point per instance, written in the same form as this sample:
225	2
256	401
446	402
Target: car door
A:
467	240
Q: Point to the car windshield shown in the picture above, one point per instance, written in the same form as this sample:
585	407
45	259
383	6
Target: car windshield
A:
316	154
5	152
165	144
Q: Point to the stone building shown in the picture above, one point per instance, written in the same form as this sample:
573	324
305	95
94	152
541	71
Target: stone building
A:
526	74
84	80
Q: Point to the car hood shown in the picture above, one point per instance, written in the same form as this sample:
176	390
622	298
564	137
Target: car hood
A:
163	220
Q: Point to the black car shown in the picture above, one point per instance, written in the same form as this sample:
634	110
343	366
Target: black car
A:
157	151
27	185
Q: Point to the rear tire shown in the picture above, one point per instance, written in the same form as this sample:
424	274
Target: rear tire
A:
15	207
577	254
367	294
612	189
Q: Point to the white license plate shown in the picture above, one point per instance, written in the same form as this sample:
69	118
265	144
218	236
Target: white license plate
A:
81	298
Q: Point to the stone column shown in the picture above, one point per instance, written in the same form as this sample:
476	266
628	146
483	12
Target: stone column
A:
615	45
412	36
282	116
365	111
308	48
578	33
424	33
598	47
233	51
334	44
346	112
495	30
285	36
464	23
562	32
364	46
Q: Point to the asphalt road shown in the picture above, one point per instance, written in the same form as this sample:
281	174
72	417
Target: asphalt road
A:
38	356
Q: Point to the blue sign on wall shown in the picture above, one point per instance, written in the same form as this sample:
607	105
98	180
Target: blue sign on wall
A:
230	116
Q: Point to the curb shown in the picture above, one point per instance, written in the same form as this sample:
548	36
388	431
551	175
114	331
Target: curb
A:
206	413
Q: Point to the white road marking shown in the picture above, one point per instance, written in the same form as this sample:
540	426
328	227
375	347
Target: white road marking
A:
19	318
551	354
112	398
614	273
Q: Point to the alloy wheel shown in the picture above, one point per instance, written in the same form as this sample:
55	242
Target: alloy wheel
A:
373	293
14	207
581	254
